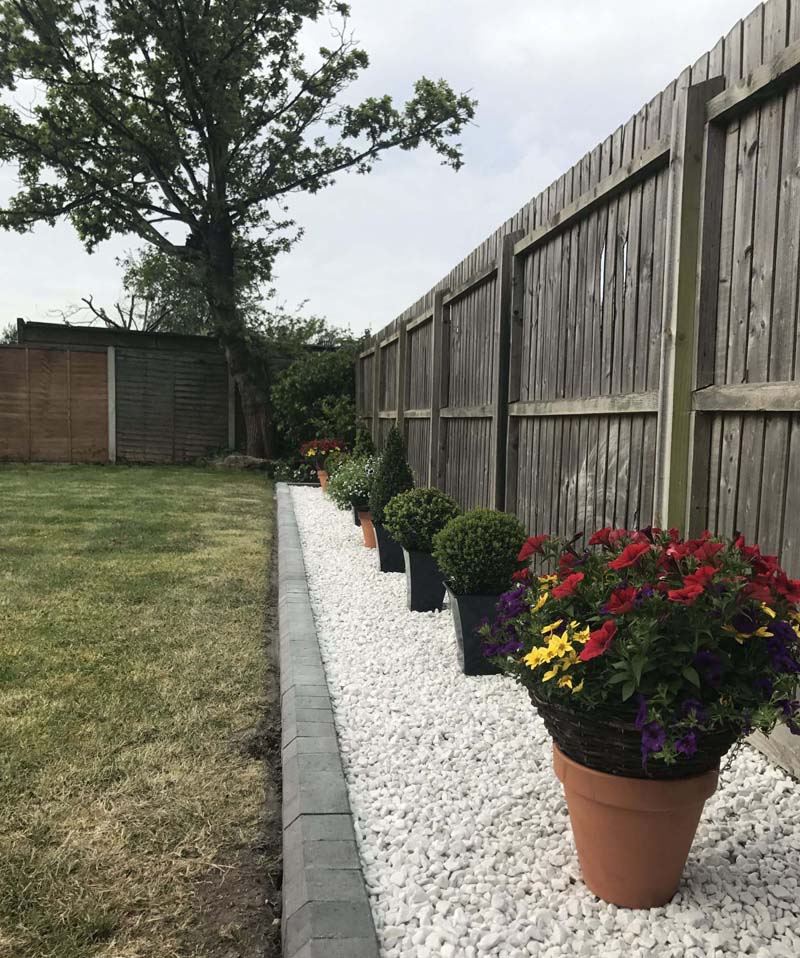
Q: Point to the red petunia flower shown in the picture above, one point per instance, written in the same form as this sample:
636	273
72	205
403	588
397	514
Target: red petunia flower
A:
523	575
788	588
599	641
532	546
707	550
630	555
568	586
601	537
694	585
621	601
687	595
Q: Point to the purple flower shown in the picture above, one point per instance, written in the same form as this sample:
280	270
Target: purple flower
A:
745	622
709	665
687	745
693	708
641	715
653	738
646	592
780	644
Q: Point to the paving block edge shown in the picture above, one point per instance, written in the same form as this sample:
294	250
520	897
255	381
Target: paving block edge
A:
321	915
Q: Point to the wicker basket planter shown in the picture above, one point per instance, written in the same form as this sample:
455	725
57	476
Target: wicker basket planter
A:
633	826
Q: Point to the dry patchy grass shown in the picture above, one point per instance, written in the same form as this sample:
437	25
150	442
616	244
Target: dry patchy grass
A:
135	711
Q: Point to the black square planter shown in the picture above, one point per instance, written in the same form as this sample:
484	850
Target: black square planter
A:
356	520
424	582
390	552
469	612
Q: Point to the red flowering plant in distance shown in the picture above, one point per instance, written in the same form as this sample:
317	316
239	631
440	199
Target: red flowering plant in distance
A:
680	640
320	449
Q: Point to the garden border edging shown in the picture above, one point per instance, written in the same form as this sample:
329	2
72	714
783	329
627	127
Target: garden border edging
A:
326	911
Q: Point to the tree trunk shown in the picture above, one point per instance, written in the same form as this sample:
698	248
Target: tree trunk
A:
232	335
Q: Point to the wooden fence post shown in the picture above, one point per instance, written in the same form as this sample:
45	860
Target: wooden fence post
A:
440	357
502	344
680	297
708	263
376	392
402	384
111	385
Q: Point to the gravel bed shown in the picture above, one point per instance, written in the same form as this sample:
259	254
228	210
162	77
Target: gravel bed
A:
462	826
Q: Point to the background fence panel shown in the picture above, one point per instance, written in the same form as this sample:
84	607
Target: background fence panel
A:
53	405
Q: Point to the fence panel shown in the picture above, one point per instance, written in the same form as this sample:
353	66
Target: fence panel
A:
53	404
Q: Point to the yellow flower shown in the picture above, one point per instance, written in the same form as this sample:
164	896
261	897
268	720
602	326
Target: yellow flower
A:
581	635
559	645
766	608
553	625
569	660
537	657
565	682
540	601
578	687
551	674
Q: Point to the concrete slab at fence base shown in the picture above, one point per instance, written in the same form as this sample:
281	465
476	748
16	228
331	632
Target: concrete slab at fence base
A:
326	911
781	747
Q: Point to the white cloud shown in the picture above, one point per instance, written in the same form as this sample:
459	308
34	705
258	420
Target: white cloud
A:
552	81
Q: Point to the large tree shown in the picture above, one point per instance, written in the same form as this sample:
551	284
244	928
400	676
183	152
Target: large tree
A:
189	123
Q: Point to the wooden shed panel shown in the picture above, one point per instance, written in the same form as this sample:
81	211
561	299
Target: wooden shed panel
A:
49	405
13	404
89	406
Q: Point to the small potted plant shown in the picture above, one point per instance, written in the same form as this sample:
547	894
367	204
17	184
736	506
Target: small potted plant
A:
647	657
413	518
350	487
363	447
317	451
392	476
477	553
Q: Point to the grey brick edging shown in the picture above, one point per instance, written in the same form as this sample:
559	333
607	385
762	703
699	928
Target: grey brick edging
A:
326	911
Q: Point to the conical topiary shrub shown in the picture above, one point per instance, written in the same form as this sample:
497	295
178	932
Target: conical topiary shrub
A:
392	477
363	446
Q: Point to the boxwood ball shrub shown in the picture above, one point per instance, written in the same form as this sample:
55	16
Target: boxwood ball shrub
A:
414	517
393	475
477	551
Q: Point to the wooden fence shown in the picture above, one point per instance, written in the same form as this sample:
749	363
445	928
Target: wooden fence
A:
624	350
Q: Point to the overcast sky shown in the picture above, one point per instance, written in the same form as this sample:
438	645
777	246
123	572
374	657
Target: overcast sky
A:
552	80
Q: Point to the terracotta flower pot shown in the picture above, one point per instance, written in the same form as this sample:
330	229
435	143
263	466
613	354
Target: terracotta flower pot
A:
633	835
367	529
323	478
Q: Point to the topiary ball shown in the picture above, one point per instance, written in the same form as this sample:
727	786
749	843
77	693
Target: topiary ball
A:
414	517
477	551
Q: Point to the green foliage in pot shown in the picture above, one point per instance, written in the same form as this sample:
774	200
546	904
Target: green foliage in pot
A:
393	476
363	446
352	482
414	517
335	461
477	551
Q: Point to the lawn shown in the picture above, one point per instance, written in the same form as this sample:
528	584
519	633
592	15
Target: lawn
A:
136	714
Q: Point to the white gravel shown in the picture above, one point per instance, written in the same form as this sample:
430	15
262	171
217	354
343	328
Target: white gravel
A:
461	823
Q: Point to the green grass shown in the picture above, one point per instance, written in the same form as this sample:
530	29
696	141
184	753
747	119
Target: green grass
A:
132	690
